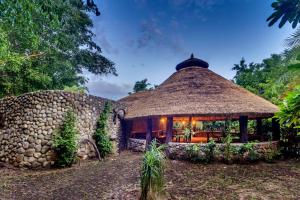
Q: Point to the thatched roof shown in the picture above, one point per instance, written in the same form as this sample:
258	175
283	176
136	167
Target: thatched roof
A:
197	91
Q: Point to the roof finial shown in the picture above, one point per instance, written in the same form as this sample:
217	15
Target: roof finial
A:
192	55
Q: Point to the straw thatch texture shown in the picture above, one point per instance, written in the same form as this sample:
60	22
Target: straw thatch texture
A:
199	92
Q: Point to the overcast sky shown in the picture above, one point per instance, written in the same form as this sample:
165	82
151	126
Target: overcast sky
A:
148	38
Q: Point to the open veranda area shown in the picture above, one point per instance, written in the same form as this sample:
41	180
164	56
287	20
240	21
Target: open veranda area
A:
118	178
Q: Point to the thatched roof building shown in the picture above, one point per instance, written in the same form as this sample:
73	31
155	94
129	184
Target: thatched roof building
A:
194	90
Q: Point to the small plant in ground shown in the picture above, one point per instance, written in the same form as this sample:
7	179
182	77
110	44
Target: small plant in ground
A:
248	152
210	150
271	153
152	172
229	150
101	137
193	152
65	144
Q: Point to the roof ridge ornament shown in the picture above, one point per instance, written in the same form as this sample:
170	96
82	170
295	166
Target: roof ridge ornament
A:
192	62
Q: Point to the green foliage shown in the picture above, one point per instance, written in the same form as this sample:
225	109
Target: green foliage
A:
65	141
46	45
289	114
271	153
152	172
287	11
193	152
142	86
271	79
229	150
75	89
101	137
248	151
210	150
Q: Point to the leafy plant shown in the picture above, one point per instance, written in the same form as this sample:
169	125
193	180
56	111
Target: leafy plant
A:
193	152
101	137
248	152
229	150
289	114
152	172
65	141
271	153
210	150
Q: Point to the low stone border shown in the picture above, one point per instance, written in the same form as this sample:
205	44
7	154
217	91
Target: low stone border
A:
137	144
179	150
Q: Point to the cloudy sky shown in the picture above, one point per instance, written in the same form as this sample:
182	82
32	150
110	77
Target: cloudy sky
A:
147	38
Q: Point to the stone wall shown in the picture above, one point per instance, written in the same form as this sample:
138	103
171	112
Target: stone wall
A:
137	144
179	150
28	123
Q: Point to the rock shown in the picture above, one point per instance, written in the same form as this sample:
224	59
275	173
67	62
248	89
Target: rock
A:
25	145
29	152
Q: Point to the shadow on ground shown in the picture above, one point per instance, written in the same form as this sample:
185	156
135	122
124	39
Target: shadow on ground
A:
118	178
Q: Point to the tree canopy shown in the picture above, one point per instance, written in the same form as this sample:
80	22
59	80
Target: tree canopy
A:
46	45
285	11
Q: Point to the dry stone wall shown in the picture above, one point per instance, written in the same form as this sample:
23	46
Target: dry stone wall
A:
29	122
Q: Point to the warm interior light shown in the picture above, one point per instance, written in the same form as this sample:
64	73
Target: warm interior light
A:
193	122
183	122
162	120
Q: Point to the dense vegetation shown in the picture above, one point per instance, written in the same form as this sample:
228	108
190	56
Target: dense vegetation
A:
101	137
46	45
65	143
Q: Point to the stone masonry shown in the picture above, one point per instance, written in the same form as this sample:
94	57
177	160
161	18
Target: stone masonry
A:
28	123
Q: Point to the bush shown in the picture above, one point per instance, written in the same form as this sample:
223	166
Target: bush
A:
152	178
248	152
193	152
271	153
210	150
65	144
103	142
229	150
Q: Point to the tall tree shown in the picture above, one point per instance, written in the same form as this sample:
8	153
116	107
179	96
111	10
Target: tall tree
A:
47	45
141	85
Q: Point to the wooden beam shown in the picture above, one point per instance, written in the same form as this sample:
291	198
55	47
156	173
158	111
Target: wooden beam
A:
149	132
243	128
169	129
259	126
275	129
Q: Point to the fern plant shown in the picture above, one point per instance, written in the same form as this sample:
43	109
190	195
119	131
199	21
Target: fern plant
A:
65	144
101	137
152	172
229	150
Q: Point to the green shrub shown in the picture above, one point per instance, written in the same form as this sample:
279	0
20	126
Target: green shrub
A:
248	152
152	172
101	137
65	144
271	153
210	150
229	150
193	152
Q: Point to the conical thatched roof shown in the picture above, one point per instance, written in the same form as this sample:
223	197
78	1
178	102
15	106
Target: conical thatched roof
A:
197	91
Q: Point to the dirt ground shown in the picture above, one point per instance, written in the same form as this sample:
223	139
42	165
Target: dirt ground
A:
118	178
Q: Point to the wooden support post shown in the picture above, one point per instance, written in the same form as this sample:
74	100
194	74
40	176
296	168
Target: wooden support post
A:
243	128
149	131
259	126
190	125
169	133
275	129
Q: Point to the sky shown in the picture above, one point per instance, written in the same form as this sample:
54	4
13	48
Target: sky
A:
148	38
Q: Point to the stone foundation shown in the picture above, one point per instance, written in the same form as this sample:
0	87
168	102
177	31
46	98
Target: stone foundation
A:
136	144
179	150
28	123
